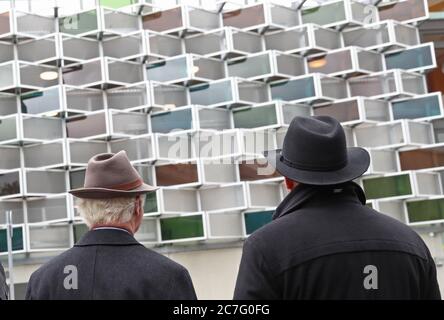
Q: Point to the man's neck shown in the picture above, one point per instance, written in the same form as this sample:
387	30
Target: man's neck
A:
123	226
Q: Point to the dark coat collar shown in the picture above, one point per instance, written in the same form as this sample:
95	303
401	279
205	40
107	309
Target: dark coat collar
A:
110	237
304	193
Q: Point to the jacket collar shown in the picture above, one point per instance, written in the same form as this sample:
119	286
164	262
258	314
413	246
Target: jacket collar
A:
110	237
302	194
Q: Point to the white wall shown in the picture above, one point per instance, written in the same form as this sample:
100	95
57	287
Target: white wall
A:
213	271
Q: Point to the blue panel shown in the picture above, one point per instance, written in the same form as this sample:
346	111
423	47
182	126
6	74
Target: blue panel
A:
410	59
293	89
214	93
416	108
174	69
168	121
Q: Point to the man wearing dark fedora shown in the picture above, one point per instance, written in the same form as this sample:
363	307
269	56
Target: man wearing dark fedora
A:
324	242
108	262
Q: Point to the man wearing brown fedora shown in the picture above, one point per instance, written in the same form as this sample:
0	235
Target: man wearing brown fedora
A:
324	242
108	262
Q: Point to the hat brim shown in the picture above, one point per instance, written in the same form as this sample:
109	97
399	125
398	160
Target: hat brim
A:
104	193
357	164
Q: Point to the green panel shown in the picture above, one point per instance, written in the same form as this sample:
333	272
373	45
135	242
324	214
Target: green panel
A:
324	14
425	210
79	23
255	117
79	231
150	203
387	186
116	3
256	220
181	228
17	239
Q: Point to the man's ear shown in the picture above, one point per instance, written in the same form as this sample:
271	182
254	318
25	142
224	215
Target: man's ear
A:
289	183
138	210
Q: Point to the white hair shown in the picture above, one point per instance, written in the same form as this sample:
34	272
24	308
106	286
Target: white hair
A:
107	211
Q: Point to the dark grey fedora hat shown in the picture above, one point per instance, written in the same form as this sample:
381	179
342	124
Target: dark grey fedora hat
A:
110	175
315	152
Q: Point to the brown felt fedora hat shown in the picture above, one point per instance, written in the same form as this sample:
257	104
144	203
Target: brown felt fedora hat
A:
111	175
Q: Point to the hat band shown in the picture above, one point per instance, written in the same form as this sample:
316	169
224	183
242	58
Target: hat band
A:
308	167
128	185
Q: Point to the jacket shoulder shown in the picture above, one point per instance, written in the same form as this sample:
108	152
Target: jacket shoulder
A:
60	260
362	223
144	256
166	263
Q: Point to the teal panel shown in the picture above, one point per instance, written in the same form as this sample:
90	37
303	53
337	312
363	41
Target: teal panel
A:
256	220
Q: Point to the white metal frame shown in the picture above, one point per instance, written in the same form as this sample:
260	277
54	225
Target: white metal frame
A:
56	165
407	139
318	96
397	77
389	26
187	28
13	25
413	20
275	72
145	137
349	20
235	87
190	68
268	24
312	45
363	114
356	67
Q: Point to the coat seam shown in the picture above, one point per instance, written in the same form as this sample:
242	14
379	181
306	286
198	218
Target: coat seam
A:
342	252
94	272
359	240
266	265
332	254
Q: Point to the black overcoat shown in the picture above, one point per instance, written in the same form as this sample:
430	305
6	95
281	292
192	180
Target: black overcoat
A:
325	243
